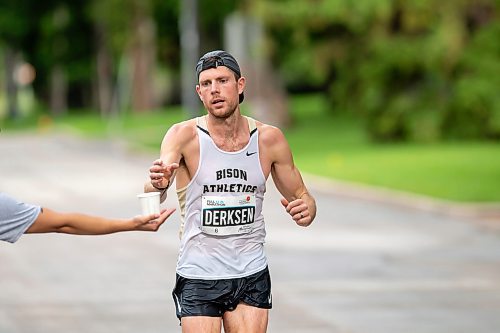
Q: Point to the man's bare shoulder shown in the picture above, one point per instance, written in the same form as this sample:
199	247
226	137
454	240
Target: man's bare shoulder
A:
273	144
269	135
182	131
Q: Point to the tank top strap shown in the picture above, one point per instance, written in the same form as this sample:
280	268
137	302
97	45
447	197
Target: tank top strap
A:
251	124
201	122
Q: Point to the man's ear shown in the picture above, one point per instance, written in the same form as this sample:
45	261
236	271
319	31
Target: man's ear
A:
241	84
198	91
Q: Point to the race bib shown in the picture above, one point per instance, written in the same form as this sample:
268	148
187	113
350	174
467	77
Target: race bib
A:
229	215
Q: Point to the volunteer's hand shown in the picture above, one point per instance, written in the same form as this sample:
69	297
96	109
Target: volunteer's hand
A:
151	222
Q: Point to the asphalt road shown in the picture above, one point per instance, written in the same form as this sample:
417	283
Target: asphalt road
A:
362	267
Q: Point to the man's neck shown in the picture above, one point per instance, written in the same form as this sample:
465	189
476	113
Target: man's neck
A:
230	134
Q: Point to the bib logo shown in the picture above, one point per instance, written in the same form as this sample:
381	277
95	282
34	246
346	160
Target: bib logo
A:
245	201
215	203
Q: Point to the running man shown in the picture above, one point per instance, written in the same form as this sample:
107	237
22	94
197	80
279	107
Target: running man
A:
221	162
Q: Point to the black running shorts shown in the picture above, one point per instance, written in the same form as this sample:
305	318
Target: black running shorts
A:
196	297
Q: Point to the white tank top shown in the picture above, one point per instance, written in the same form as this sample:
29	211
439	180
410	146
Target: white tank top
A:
221	207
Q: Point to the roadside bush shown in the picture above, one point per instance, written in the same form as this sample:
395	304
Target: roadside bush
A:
414	70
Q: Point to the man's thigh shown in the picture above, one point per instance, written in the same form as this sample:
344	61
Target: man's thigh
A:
201	324
246	318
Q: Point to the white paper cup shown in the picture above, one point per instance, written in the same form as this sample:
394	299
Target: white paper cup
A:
150	203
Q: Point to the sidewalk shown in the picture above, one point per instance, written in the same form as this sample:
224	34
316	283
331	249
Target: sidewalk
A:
370	263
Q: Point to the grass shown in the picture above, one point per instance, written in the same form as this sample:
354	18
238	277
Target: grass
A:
333	146
336	147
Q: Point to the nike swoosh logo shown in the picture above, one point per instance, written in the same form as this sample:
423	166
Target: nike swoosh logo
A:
250	154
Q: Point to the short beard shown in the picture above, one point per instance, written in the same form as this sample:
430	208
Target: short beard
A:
225	115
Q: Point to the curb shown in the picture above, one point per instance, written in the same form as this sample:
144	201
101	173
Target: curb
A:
485	211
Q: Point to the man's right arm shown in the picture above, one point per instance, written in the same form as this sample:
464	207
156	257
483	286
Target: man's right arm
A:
161	173
163	170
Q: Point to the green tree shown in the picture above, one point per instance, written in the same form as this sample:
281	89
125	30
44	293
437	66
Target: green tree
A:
415	70
108	54
18	23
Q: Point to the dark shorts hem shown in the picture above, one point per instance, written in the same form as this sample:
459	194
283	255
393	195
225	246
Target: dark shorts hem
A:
212	298
257	305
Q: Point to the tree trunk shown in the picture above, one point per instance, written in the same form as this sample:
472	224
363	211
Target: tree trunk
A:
264	92
188	28
10	83
104	69
143	53
58	91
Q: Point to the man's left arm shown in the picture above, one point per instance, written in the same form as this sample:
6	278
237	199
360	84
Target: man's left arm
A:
298	202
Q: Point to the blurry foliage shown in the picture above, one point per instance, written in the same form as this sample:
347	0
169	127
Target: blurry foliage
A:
166	14
211	16
62	32
416	70
65	39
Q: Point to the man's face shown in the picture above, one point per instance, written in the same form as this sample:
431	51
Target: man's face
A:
219	91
